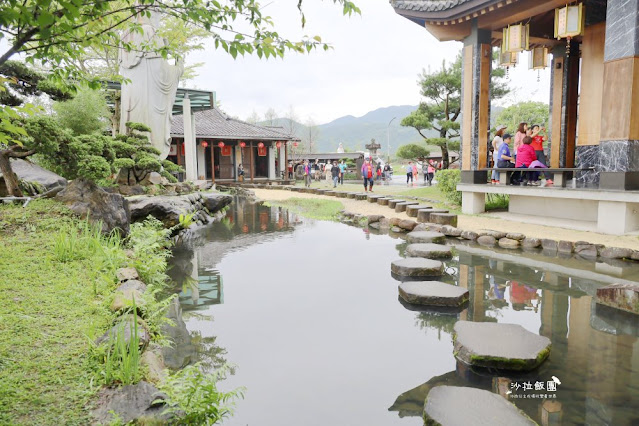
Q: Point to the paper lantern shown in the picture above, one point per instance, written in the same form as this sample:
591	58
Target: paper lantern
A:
569	21
278	145
295	144
204	144
220	144
507	59
242	144
538	59
260	145
515	38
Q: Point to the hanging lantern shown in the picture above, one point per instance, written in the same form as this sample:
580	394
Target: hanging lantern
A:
204	144
220	144
538	59
242	144
507	59
515	38
295	144
278	145
569	21
260	145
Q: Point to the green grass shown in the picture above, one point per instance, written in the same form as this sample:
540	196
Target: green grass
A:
311	208
53	305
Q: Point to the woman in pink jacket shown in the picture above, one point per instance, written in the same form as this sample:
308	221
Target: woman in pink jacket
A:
525	156
519	137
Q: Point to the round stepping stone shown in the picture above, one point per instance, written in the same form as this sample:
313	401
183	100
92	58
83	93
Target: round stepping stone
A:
341	194
351	195
429	251
417	267
444	219
401	207
361	196
426	237
502	346
423	215
383	201
330	193
374	198
435	293
393	203
321	191
412	210
456	405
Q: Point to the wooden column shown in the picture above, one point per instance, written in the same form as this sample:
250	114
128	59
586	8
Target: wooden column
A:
212	162
252	162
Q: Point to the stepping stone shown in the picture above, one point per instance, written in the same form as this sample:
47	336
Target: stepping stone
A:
392	203
351	195
341	194
423	215
373	198
412	210
361	196
321	191
383	201
444	219
417	267
330	193
501	346
456	405
426	237
620	296
429	251
401	207
435	293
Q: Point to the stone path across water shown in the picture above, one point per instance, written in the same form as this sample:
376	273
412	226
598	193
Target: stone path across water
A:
433	293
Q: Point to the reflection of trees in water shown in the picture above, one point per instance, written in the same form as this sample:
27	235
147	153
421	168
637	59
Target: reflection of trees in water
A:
445	323
207	352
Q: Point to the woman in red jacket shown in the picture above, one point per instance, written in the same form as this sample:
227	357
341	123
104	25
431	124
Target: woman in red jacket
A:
525	156
368	173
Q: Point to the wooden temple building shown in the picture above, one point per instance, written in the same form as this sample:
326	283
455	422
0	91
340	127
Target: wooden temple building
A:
594	99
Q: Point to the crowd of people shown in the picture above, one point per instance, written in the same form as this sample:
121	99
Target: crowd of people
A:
428	170
527	153
334	171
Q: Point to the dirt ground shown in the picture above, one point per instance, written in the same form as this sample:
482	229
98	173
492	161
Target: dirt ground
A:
467	222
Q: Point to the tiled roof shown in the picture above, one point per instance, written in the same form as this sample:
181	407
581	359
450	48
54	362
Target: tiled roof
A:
213	123
427	5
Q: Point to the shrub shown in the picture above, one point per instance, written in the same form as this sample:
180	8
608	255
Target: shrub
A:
447	181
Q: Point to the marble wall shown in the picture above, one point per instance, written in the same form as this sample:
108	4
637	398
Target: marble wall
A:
619	156
622	29
587	156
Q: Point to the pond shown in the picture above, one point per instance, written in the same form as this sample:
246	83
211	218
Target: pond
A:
309	314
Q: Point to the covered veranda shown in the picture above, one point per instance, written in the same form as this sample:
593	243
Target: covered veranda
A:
594	76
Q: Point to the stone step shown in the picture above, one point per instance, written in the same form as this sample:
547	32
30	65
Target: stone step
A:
352	195
361	196
372	198
456	405
620	296
383	201
429	251
401	207
341	194
412	210
444	219
501	346
416	267
423	215
393	202
434	293
426	237
330	193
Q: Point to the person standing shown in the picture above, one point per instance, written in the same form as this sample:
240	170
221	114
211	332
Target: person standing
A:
409	172
328	171
335	173
386	172
368	173
497	141
342	171
308	173
430	172
519	137
415	172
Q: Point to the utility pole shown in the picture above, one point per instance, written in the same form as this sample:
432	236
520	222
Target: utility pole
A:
388	136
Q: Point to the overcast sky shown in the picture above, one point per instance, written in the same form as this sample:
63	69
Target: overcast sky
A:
376	60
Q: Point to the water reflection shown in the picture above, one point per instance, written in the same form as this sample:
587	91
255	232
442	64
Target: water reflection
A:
295	303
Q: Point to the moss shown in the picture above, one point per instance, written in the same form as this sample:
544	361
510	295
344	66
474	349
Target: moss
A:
509	363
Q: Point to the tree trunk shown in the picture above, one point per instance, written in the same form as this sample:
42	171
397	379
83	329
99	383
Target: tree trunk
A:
10	178
444	148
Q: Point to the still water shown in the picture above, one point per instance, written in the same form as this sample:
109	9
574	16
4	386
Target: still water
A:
309	314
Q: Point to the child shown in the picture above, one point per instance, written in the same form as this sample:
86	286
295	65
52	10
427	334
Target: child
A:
525	157
538	146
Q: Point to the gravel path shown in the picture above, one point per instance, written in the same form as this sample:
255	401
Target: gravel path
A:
467	222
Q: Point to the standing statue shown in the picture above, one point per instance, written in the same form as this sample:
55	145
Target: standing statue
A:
148	95
340	148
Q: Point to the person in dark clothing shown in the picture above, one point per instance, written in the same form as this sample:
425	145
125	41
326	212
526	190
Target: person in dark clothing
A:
335	173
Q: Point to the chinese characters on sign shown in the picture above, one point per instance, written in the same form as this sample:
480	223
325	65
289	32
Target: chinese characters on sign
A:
537	389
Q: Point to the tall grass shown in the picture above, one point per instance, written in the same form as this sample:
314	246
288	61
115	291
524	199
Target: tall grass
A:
121	359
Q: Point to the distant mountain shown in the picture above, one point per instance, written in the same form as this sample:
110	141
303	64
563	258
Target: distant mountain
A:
355	132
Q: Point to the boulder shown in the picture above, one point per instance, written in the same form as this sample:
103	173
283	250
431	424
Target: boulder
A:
397	229
426	237
487	240
130	404
548	244
384	223
620	296
125	274
444	218
451	231
34	174
586	250
429	251
165	208
374	225
408	225
154	178
433	293
565	246
128	293
616	253
635	255
394	221
531	242
129	190
508	243
469	235
495	234
515	236
374	218
417	267
498	345
153	360
88	200
411	211
452	405
215	202
125	327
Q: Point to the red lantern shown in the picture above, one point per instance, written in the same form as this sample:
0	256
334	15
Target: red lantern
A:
295	144
278	145
242	144
220	144
260	145
204	144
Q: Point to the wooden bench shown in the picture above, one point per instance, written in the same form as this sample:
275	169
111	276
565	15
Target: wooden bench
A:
560	175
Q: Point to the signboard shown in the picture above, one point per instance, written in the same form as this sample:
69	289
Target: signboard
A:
173	150
226	150
261	151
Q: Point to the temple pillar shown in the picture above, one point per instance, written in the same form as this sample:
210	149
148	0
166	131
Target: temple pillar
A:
189	141
564	97
475	105
619	146
283	165
272	152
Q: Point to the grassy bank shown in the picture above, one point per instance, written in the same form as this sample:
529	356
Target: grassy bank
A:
51	309
311	208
